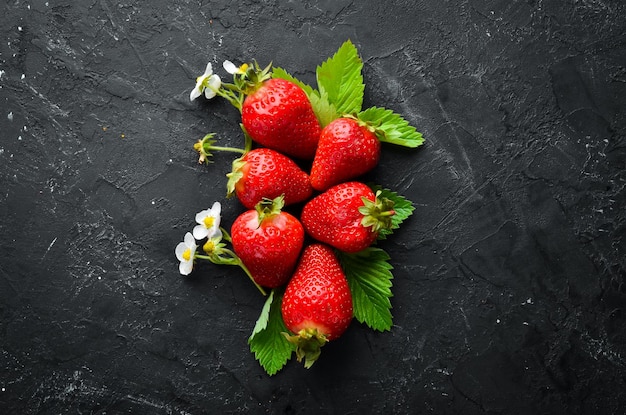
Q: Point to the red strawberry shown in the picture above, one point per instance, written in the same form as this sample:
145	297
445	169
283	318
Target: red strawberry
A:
265	173
347	216
346	150
279	115
268	242
317	304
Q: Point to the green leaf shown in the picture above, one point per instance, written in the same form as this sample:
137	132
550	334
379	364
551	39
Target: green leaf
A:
391	127
339	79
323	109
281	73
369	275
269	346
401	205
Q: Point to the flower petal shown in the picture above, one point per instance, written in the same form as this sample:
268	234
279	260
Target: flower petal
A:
209	70
201	215
195	93
200	232
213	85
230	67
185	267
180	248
190	241
217	235
216	209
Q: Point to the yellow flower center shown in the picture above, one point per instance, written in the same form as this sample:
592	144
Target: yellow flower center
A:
209	247
243	68
209	221
187	254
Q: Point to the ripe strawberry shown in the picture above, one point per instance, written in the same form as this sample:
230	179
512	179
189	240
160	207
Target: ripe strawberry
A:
347	216
268	242
317	304
346	150
265	173
279	115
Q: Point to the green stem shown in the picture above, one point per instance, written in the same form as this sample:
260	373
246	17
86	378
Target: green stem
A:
232	259
247	271
219	148
226	235
232	94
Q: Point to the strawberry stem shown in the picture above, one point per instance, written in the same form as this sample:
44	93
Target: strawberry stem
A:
308	344
217	253
231	259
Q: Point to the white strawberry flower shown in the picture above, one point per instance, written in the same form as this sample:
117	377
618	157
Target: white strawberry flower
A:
233	69
185	252
208	223
208	83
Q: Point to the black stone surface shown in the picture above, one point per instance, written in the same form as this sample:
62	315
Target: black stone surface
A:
510	290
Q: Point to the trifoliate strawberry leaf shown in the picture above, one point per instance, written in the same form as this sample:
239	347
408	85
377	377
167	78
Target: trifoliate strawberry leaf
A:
391	127
402	207
323	109
269	345
369	275
339	78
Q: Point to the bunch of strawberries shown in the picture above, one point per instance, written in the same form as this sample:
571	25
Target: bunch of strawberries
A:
304	151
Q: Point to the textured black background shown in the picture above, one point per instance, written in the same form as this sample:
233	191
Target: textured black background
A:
509	281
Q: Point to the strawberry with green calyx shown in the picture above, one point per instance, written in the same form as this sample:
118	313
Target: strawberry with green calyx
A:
347	148
348	216
260	173
317	304
265	173
268	241
276	113
279	115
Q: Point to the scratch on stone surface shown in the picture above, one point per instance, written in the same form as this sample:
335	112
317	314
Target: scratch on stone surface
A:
49	247
144	65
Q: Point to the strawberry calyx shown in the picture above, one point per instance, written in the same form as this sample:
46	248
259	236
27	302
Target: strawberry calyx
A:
237	173
246	80
269	208
377	214
308	344
252	78
369	126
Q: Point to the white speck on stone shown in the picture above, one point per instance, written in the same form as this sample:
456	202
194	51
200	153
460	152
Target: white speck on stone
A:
19	28
10	116
23	76
19	138
498	321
